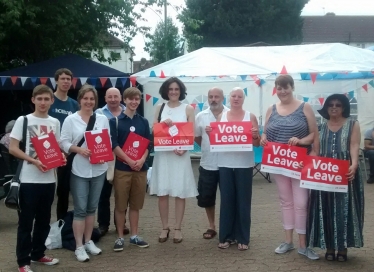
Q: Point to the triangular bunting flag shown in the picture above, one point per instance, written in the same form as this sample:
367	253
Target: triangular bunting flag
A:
371	82
262	82
113	81
23	80
233	77
152	74
83	80
222	76
256	79
3	79
53	82
103	80
283	71
224	101
147	97
74	82
274	91
306	99
155	99
243	77
245	91
201	105
133	81
365	87
14	79
321	100
351	94
33	80
124	81
313	77
194	106
162	74
43	80
93	81
274	74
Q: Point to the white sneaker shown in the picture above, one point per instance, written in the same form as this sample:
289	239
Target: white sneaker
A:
91	248
81	255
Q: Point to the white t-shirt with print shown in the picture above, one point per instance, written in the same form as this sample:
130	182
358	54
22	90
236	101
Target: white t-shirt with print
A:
35	127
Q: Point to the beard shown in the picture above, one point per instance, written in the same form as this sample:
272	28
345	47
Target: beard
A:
215	106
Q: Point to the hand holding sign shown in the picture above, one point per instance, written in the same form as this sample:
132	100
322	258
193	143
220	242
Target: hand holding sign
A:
351	172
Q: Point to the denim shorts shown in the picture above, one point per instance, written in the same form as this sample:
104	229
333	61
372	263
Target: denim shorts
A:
207	187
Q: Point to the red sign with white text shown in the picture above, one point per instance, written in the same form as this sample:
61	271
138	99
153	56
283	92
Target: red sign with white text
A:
231	136
179	136
325	174
48	150
135	146
283	159
98	141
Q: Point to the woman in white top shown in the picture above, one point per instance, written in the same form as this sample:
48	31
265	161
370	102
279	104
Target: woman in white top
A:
235	183
86	179
172	170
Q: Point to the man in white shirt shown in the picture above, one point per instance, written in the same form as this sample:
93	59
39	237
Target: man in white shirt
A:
113	108
369	152
208	177
37	188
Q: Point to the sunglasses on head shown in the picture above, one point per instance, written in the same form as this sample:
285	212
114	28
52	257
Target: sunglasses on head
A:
337	105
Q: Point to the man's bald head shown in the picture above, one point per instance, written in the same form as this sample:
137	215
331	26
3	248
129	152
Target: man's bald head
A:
113	98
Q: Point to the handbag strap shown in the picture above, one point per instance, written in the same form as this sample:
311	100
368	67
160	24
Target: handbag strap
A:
159	114
23	148
89	127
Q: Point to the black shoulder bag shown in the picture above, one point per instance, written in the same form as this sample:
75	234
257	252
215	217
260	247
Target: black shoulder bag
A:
69	160
151	143
12	199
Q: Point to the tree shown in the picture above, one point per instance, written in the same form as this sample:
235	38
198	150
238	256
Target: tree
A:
161	45
36	30
241	22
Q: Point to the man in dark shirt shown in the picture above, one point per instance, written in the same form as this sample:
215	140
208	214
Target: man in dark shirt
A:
130	177
62	107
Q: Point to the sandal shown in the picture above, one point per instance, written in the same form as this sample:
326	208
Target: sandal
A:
177	240
342	257
164	239
209	234
330	255
224	245
242	247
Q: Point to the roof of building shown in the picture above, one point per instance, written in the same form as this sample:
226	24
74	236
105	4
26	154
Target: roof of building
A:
257	44
341	29
116	43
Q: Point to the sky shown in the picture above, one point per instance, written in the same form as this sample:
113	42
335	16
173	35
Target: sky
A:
314	7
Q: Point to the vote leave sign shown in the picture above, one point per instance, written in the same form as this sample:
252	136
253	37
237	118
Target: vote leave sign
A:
325	174
230	136
283	159
179	136
48	151
98	141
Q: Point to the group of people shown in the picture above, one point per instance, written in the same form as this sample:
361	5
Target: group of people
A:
331	220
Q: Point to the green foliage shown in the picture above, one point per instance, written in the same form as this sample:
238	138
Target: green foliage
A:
36	30
160	45
241	22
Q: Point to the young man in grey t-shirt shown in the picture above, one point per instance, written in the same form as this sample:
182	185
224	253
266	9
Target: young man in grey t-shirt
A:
369	152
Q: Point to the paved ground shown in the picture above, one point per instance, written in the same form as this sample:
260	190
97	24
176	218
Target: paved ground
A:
194	253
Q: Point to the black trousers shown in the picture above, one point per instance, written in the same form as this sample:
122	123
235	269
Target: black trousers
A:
63	190
35	202
103	210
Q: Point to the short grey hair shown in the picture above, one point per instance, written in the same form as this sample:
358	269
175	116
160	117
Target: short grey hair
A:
237	89
9	126
218	89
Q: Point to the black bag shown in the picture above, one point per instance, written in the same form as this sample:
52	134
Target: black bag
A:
151	143
12	199
66	170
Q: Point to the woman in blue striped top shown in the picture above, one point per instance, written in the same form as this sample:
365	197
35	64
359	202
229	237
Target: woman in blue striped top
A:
291	121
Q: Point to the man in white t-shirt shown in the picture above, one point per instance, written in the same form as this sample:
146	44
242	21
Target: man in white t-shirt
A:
208	170
37	188
369	152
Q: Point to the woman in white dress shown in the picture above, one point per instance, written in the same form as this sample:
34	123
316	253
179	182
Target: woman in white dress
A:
172	170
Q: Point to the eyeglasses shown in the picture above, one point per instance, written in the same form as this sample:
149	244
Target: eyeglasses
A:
331	105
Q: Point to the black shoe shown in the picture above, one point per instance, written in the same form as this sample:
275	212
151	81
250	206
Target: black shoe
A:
103	230
370	180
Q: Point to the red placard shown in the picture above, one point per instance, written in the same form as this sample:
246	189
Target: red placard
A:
283	159
325	174
98	141
135	146
231	136
179	136
48	150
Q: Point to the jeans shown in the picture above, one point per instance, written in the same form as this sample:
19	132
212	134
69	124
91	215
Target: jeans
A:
86	194
35	202
103	210
236	198
370	155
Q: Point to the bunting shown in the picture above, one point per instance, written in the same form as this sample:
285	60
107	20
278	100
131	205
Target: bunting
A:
194	106
93	81
124	81
313	77
103	80
147	97
371	82
23	80
283	71
133	81
245	91
262	82
53	82
201	105
43	80
152	74
351	94
14	79
3	80
155	99
243	77
74	82
321	100
256	79
162	74
83	80
365	87
33	80
113	81
306	99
